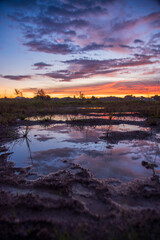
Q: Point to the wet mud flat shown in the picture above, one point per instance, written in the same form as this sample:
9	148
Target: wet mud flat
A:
73	203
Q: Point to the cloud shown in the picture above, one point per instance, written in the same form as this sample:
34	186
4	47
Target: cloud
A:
16	77
126	46
41	65
48	47
20	3
89	25
156	23
71	10
86	68
122	87
138	41
90	3
67	75
70	33
96	38
94	46
105	64
150	19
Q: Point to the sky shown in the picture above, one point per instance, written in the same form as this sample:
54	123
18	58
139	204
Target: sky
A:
99	47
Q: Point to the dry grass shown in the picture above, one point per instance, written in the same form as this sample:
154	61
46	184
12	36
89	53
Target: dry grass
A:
12	109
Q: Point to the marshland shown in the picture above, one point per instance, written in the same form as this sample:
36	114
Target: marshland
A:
79	168
79	120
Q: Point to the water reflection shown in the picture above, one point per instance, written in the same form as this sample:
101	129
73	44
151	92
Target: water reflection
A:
66	117
57	146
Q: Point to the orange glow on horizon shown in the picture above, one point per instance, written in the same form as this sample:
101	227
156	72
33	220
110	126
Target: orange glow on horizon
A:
117	89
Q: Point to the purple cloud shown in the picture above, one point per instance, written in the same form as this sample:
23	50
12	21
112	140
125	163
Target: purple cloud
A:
48	47
126	46
41	65
138	41
86	68
94	46
16	77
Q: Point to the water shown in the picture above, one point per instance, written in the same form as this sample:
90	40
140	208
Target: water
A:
64	117
57	146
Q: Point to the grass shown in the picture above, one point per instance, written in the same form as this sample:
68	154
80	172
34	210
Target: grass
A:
46	119
25	134
13	109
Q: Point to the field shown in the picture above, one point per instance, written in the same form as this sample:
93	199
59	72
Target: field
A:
79	169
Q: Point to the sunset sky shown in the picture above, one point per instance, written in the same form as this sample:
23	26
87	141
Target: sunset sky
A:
98	47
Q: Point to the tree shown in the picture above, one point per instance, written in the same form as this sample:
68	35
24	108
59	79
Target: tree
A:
93	98
18	92
40	94
81	95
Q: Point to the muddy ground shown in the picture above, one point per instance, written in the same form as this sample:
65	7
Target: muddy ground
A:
73	204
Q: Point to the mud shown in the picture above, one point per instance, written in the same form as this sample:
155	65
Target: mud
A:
73	204
8	133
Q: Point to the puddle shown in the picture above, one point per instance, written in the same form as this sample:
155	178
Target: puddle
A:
91	108
71	117
117	116
59	117
55	147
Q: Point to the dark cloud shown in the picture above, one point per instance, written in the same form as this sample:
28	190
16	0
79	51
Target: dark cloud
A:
95	46
70	33
138	41
89	3
48	47
37	29
105	64
43	24
16	77
78	23
19	3
85	68
66	11
129	24
41	65
79	27
125	46
67	76
67	23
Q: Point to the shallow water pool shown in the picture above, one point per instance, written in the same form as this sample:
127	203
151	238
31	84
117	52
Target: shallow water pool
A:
57	146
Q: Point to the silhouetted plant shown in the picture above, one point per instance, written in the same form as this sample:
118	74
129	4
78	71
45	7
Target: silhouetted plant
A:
18	92
40	94
81	95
